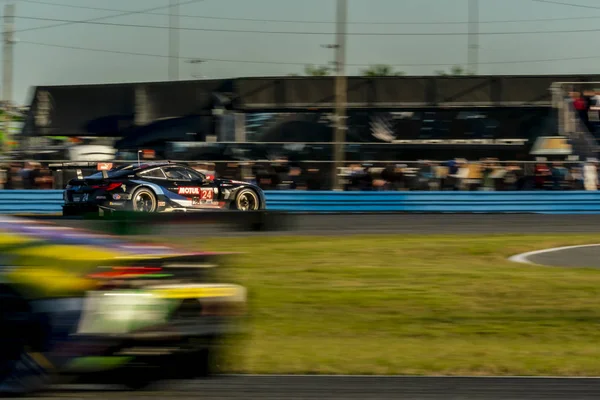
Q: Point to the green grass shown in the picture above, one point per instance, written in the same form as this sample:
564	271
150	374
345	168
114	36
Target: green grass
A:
449	305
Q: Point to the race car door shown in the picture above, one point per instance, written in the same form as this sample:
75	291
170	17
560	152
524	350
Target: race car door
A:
196	190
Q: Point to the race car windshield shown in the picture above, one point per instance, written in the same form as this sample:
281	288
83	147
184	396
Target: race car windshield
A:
115	173
195	175
184	174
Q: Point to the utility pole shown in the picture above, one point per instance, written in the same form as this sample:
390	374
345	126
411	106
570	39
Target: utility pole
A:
174	40
340	91
7	68
473	57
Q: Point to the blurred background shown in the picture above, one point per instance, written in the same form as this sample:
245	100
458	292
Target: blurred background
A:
347	95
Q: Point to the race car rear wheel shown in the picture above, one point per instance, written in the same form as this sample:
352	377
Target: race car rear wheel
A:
247	200
144	200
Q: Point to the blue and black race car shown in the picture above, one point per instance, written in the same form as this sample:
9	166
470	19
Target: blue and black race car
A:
156	187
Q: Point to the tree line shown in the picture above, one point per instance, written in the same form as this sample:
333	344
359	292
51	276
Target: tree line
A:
377	70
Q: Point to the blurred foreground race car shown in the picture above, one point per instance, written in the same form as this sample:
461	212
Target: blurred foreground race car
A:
77	307
154	187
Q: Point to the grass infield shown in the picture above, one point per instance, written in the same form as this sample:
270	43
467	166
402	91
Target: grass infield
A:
441	305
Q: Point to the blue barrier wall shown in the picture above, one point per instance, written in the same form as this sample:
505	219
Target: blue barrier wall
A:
30	201
572	202
452	202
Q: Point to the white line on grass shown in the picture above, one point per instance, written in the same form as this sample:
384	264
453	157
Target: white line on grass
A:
524	257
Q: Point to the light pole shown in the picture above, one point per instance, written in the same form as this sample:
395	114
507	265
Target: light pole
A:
7	69
340	91
473	57
9	41
174	40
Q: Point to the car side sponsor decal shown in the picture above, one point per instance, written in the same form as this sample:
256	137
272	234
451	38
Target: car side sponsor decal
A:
189	190
199	194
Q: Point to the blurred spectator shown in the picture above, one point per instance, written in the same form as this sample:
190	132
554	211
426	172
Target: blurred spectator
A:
582	107
313	181
296	179
393	175
487	178
451	179
426	175
542	174
4	173
14	178
513	180
595	104
559	176
590	175
27	176
359	178
576	178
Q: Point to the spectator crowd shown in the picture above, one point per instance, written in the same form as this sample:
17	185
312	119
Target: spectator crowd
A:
458	174
25	175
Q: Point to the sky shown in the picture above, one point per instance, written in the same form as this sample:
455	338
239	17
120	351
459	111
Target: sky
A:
418	37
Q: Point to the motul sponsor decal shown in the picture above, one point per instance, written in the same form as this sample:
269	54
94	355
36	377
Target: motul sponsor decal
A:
189	190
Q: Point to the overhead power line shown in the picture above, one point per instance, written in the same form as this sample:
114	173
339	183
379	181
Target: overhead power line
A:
93	20
295	21
302	63
249	31
560	3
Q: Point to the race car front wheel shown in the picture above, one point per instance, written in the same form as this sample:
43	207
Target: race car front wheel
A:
144	200
247	200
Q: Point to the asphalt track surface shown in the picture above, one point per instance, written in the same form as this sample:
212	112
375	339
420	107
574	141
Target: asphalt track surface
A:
355	387
336	224
570	257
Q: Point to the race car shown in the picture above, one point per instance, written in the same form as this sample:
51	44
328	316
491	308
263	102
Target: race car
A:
156	187
80	307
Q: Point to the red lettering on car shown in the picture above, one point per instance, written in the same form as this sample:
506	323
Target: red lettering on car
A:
189	190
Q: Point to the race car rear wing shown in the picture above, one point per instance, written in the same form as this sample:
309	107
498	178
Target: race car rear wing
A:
104	167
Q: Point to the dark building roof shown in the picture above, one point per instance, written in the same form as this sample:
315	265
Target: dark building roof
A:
109	109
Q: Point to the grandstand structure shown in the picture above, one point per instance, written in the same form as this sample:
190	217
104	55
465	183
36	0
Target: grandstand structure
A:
143	114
